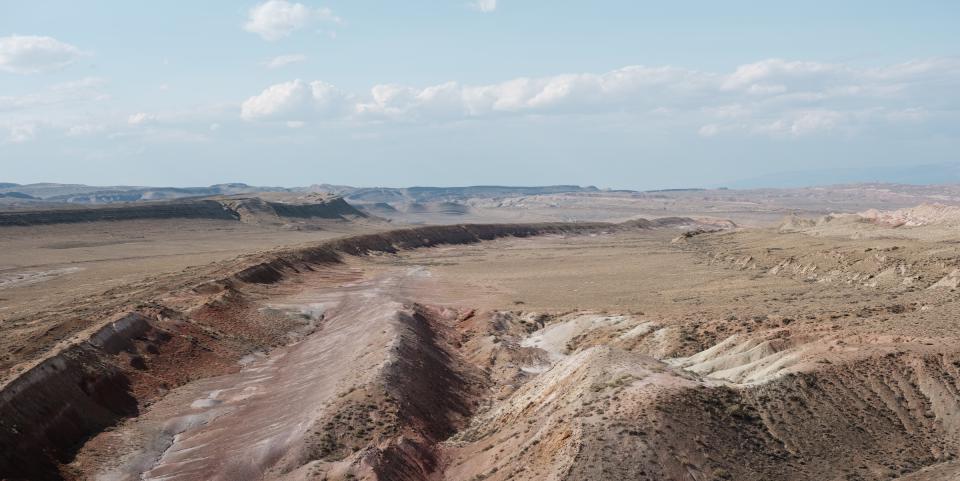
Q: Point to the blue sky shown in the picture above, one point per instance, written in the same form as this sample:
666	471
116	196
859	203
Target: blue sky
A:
623	94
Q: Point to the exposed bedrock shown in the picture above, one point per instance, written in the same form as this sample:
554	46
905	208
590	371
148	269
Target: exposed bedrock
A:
64	399
105	374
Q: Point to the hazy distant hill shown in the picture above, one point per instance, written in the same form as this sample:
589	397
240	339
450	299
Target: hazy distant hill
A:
444	194
87	194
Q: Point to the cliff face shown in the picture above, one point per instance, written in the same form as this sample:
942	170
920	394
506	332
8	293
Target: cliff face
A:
202	209
333	208
60	401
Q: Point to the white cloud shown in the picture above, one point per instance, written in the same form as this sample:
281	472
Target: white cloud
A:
275	19
802	123
293	101
284	60
805	123
286	100
769	76
29	54
709	130
773	97
83	130
22	133
140	118
798	124
84	90
485	6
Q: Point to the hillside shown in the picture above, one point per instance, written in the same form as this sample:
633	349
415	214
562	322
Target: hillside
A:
246	209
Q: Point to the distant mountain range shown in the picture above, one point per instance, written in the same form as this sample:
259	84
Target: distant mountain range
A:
53	194
48	193
369	195
87	194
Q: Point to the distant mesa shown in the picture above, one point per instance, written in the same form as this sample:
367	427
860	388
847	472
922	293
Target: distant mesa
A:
313	206
85	194
244	209
692	189
450	194
259	204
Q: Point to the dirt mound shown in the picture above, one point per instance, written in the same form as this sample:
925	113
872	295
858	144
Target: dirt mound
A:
257	210
925	221
438	208
553	427
795	223
921	215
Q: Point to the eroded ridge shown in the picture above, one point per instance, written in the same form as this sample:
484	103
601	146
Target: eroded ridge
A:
178	329
317	365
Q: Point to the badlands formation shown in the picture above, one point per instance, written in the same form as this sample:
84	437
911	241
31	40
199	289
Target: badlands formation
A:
270	339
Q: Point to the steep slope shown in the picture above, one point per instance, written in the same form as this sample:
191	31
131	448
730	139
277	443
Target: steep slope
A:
184	210
187	327
588	402
378	369
246	209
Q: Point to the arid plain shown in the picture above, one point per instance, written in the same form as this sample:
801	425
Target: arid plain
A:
688	335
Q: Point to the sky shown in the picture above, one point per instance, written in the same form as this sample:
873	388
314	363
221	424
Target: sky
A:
619	94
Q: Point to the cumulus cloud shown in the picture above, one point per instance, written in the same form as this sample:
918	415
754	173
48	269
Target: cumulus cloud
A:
30	54
275	19
485	6
772	97
294	101
140	118
284	60
777	75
